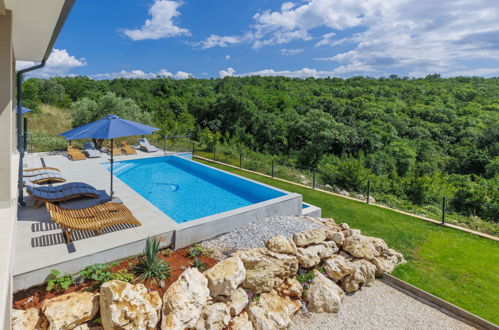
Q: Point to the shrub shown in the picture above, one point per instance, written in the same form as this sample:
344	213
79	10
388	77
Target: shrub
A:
150	265
57	281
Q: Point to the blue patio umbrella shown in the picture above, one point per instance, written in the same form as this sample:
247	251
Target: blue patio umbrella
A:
109	128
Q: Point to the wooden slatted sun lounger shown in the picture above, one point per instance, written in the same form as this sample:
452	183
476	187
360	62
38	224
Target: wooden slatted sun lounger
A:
116	150
53	177
91	218
75	154
128	149
60	193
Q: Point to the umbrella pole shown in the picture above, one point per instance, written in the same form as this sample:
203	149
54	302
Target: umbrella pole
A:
112	160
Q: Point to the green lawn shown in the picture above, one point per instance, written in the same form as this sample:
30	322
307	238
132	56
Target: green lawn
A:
453	265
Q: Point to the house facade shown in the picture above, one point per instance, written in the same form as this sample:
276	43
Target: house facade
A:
28	31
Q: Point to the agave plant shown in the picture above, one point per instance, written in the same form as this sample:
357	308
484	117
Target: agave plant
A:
150	265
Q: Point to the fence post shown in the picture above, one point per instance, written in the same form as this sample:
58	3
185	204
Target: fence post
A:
164	144
443	210
314	179
193	148
272	168
368	190
214	154
240	160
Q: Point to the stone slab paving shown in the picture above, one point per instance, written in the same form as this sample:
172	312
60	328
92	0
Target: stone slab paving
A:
379	307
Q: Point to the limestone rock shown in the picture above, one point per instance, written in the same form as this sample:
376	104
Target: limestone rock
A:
266	269
360	246
379	245
241	322
85	326
337	237
281	244
214	317
291	288
363	275
25	319
184	300
225	276
344	226
128	306
238	301
337	267
273	311
352	232
70	310
387	261
323	295
313	236
311	256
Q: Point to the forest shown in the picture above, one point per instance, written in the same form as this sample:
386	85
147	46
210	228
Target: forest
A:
416	140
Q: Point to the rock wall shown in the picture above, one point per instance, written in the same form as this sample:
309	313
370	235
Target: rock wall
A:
260	288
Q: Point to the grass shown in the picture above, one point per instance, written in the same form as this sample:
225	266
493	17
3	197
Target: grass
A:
456	266
45	126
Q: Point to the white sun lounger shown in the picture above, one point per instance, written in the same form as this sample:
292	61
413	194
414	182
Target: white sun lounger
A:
90	150
44	178
40	171
145	146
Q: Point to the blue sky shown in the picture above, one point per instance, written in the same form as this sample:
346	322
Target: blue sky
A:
318	38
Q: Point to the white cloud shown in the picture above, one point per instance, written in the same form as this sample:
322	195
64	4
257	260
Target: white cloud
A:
291	52
161	24
139	74
227	57
59	63
405	36
215	40
229	72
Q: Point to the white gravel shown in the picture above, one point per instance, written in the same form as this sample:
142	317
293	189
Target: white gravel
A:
379	307
256	233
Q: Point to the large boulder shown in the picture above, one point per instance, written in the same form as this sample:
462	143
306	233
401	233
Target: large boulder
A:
26	319
266	269
184	300
291	288
363	275
128	306
311	256
387	261
337	267
273	311
360	246
281	244
313	236
70	310
238	301
225	276
323	295
241	322
337	237
214	317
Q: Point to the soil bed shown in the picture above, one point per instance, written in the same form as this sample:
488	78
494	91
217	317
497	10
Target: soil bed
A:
178	261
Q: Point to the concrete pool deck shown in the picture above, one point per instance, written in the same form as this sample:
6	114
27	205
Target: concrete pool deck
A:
40	245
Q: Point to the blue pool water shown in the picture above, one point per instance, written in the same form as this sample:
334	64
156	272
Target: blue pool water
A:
185	190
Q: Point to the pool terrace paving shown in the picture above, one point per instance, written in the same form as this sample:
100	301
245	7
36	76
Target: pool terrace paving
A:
40	244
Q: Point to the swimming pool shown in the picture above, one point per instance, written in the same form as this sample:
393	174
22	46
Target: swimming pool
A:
185	190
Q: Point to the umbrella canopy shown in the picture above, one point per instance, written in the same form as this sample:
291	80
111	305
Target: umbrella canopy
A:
109	128
24	110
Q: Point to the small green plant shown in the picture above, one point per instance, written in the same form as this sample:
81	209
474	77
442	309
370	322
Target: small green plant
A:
57	281
122	275
150	265
167	252
305	278
96	272
97	321
195	251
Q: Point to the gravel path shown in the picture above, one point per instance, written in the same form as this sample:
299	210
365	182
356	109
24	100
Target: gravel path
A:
255	233
379	307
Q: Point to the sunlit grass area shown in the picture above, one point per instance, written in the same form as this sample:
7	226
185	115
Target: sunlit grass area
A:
456	266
